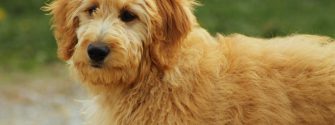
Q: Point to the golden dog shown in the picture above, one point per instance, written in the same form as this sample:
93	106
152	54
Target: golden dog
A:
148	62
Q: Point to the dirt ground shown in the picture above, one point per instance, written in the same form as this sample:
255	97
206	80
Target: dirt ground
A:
44	97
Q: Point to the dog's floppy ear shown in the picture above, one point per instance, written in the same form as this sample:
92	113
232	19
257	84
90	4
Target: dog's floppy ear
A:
64	25
173	27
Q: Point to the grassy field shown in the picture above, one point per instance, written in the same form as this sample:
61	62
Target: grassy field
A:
268	18
27	42
25	36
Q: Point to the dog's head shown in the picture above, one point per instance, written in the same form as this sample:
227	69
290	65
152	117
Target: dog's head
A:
107	41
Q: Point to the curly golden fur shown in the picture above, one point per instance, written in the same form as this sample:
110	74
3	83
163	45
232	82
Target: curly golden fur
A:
164	69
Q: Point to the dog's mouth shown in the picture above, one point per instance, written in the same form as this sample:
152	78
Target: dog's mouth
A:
96	64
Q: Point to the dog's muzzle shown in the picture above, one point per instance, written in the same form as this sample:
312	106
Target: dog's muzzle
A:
97	52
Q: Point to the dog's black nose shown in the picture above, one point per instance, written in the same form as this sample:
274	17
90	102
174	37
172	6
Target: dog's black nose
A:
97	51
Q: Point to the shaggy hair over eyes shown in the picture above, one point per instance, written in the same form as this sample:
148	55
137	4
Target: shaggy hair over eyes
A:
148	62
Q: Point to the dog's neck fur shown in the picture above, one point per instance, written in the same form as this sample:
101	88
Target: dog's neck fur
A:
151	100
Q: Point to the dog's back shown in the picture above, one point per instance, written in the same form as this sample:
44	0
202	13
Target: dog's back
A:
288	80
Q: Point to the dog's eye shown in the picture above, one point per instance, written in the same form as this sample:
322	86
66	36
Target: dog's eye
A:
127	16
91	10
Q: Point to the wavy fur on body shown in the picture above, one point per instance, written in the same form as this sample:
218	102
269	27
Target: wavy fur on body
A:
164	69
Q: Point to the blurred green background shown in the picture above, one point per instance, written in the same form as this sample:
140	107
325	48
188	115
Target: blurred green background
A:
27	41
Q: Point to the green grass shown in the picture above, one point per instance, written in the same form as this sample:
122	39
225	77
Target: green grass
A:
25	36
27	41
268	18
